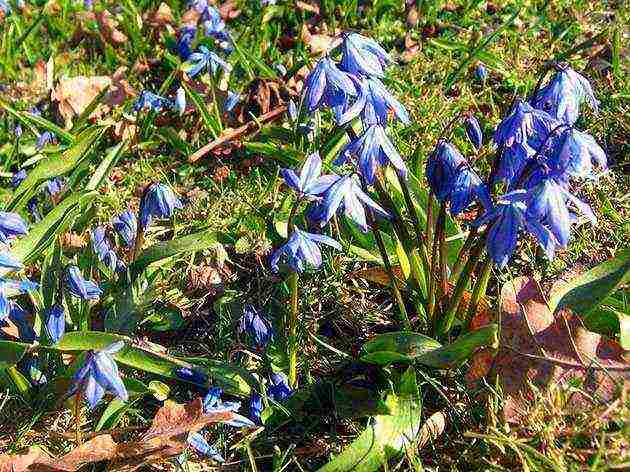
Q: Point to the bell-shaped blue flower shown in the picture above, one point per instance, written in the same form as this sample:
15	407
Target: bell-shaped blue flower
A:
361	55
212	403
525	125
191	375
18	178
204	60
231	101
44	139
576	153
9	262
512	162
158	201
278	388
374	104
309	183
151	101
80	287
55	186
11	225
302	251
346	194
126	225
473	131
11	288
256	407
185	38
256	327
99	374
372	149
564	94
329	86
103	250
213	24
199	444
481	72
55	322
506	220
18	316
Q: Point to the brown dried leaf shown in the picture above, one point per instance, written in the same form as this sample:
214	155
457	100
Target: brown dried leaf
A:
73	95
109	28
318	43
304	6
73	241
228	10
162	16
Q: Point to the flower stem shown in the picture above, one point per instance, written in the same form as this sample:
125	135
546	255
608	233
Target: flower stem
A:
479	291
138	242
421	238
292	330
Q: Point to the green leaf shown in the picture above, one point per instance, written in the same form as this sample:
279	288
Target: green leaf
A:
588	290
386	437
44	232
453	354
11	352
186	244
55	166
106	165
200	104
29	119
387	348
609	322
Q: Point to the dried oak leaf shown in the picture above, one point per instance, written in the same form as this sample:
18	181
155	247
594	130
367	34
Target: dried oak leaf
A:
109	28
549	350
75	94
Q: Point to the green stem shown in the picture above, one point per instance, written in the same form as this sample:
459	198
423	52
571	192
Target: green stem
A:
479	291
433	296
139	241
250	455
292	330
461	259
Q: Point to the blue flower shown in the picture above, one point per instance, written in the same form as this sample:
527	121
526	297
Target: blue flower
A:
18	317
126	225
473	131
151	101
373	148
347	194
206	59
55	322
256	327
481	72
18	178
158	201
103	250
55	185
199	5
5	8
17	130
180	101
373	104
231	101
11	288
512	161
191	375
279	389
506	219
184	41
79	287
525	125
212	403
564	94
310	183
576	152
199	444
99	374
292	111
214	24
548	202
11	225
44	139
327	85
361	55
256	407
9	262
301	251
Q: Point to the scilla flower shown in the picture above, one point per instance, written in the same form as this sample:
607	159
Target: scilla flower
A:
327	85
279	389
80	287
9	262
524	125
301	251
576	154
151	101
11	288
204	60
361	55
18	316
126	225
103	250
184	41
158	201
346	194
214	24
55	186
256	327
309	183
199	444
256	407
55	322
99	374
564	94
11	225
191	375
374	104
481	72
212	403
473	131
373	149
44	139
506	220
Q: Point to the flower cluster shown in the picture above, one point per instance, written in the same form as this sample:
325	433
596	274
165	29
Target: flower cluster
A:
539	154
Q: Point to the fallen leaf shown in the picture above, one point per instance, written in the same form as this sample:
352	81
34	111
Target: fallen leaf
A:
73	95
318	43
304	6
109	28
162	16
229	10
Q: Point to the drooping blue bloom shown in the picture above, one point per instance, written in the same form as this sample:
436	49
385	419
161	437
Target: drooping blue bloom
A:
346	194
576	153
18	178
310	183
256	327
564	94
18	317
103	250
11	288
88	4
231	101
329	86
55	185
126	224
292	110
525	125
473	131
361	55
374	104
279	389
9	262
151	101
99	374
481	72
180	101
44	139
301	251
452	180
512	161
199	444
256	407
373	148
191	375
158	201
186	36
212	403
11	226
80	287
204	60
55	322
17	130
213	24
549	203
199	5
506	220
5	8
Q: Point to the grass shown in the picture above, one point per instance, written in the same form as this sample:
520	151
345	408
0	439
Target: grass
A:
235	191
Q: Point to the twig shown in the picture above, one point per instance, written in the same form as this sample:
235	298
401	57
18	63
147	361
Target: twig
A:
228	136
